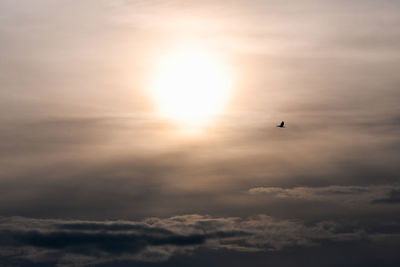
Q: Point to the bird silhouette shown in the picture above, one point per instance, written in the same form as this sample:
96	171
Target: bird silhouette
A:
282	125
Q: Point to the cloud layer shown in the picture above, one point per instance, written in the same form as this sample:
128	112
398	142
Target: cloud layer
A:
73	242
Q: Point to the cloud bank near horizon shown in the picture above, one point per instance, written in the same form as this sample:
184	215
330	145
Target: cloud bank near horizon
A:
76	242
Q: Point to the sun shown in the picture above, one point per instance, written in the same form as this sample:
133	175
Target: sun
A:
190	86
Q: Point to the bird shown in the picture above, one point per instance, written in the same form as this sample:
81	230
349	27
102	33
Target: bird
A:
282	125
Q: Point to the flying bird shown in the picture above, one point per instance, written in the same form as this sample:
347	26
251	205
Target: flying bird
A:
282	125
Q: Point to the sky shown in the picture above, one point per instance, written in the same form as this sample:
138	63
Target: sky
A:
93	173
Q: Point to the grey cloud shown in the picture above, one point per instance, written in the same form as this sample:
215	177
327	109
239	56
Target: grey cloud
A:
113	165
392	197
336	193
157	239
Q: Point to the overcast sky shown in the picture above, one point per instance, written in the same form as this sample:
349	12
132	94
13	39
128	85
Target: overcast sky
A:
91	174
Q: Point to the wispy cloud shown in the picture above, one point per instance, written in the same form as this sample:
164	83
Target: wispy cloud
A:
335	193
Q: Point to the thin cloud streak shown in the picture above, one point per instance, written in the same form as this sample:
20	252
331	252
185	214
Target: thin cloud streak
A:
347	194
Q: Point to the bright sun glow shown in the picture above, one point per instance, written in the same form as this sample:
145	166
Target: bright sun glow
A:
190	86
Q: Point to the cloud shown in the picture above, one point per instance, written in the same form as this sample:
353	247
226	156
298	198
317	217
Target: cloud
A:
113	165
157	239
393	197
348	194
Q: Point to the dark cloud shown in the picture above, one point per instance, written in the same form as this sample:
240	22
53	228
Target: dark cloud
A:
155	239
347	194
393	197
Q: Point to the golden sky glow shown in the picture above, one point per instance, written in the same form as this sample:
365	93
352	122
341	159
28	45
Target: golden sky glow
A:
143	133
190	85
